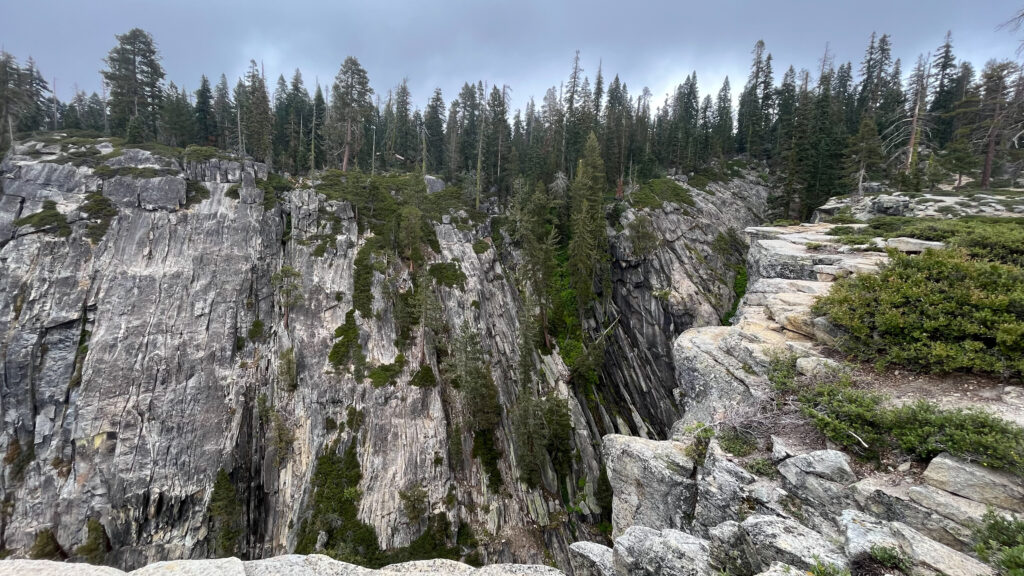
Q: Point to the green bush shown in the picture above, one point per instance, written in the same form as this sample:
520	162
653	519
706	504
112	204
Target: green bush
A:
195	192
100	210
232	191
481	246
655	193
386	374
97	544
362	276
49	218
424	378
736	442
860	421
256	330
225	516
286	370
46	547
938	312
739	289
347	348
1000	542
1000	239
448	274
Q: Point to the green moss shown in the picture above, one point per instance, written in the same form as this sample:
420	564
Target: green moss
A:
655	193
448	274
49	219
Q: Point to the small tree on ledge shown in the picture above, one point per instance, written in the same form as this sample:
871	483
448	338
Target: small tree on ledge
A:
287	284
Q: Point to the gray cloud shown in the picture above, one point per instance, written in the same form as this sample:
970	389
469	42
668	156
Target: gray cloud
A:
527	44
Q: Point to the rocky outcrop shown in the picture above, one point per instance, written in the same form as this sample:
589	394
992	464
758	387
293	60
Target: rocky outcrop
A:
291	565
143	352
788	509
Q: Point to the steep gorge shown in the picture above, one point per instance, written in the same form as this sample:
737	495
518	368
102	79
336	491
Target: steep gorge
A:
133	370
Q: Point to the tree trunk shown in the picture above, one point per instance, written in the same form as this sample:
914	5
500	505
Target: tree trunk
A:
348	136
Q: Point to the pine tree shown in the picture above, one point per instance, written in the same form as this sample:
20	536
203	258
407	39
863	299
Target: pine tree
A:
35	113
258	120
944	98
12	98
864	159
206	119
433	127
316	140
224	116
588	244
134	76
350	107
722	132
177	121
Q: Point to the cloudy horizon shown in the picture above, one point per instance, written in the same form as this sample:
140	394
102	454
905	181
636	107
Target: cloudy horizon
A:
527	45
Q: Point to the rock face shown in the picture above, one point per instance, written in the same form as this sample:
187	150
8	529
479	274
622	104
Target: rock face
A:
797	506
143	353
292	565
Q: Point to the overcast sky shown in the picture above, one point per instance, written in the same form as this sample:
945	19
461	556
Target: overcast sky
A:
527	44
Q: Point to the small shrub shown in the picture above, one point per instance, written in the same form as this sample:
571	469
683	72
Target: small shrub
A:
424	378
739	289
46	547
736	442
414	502
286	370
655	193
232	191
256	330
761	467
195	192
387	373
481	246
938	312
891	558
100	210
698	448
97	544
448	274
822	569
49	218
1000	541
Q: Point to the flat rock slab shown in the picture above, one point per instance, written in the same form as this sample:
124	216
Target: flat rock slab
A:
770	539
976	482
48	568
938	557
